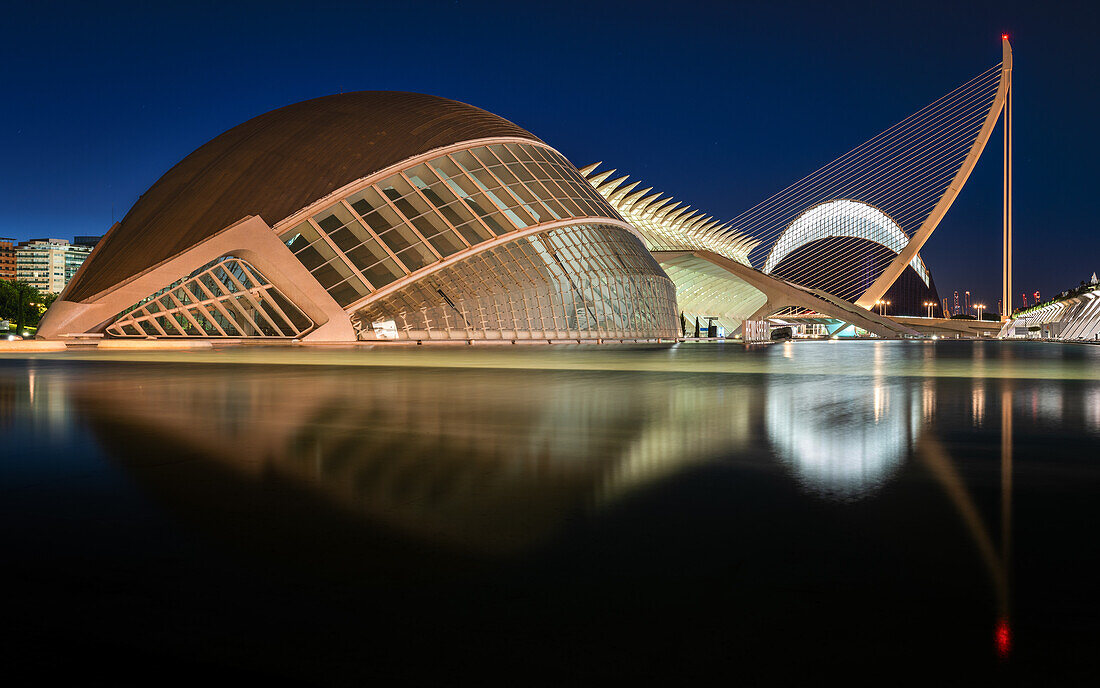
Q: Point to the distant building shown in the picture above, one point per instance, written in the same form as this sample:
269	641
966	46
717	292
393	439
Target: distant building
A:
7	259
48	264
89	241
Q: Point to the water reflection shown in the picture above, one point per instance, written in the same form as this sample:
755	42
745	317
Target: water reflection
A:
502	467
841	440
464	459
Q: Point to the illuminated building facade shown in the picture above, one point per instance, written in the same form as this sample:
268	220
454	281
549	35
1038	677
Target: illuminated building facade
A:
7	259
373	215
49	264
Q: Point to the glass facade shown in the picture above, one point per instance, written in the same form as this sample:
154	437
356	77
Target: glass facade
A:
435	209
581	281
225	298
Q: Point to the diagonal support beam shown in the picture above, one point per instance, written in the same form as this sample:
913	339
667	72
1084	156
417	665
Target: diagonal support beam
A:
894	270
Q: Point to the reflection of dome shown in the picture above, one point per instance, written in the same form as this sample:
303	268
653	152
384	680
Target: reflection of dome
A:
842	440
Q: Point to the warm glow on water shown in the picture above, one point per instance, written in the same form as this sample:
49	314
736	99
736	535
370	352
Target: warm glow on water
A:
694	506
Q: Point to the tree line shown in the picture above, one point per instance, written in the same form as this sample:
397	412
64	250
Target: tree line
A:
23	304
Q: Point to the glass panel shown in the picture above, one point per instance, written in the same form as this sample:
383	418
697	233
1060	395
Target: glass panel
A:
502	152
366	201
395	187
350	236
314	256
453	176
421	176
383	273
332	218
535	291
411	206
366	255
518	151
431	225
521	172
416	257
486	180
349	291
447	243
300	237
332	272
439	194
272	314
297	318
474	233
467	160
456	213
399	238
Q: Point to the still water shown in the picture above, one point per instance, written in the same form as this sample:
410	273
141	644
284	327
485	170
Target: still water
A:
553	514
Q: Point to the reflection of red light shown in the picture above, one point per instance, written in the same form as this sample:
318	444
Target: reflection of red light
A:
1002	638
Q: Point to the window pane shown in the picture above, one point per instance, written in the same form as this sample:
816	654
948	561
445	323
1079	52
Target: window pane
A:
333	218
395	187
503	153
366	255
383	273
300	237
328	274
447	243
366	201
349	291
465	159
400	238
416	257
474	233
430	225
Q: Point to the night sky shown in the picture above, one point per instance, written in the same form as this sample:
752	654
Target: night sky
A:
719	104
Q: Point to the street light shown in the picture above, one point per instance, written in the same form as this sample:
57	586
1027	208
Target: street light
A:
980	307
929	305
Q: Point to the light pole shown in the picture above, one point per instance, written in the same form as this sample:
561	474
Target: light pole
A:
929	305
980	307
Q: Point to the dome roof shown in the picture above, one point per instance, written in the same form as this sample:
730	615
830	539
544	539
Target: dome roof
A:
276	164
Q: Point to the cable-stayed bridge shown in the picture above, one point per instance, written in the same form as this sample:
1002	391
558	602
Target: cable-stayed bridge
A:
851	229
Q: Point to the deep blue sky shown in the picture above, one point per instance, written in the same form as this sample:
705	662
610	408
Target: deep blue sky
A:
719	104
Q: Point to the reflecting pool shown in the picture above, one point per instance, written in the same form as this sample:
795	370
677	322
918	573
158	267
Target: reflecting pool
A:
553	514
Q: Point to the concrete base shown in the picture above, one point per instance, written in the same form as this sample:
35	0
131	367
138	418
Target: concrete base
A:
154	344
31	345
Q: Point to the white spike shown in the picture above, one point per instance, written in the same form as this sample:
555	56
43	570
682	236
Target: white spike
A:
630	200
669	217
618	196
587	169
652	208
660	215
644	203
596	180
688	221
610	186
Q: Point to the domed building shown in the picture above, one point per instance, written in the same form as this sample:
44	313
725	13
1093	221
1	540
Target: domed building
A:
841	247
371	215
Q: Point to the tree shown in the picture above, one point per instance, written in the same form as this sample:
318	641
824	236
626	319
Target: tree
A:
21	302
8	300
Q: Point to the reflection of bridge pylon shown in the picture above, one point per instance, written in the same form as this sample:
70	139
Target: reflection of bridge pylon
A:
937	460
